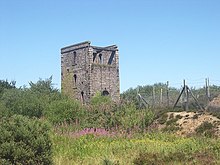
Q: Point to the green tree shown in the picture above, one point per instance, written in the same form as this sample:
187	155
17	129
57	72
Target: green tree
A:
24	141
45	90
33	101
23	102
43	86
4	84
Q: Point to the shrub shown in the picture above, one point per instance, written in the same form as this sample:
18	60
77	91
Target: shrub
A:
179	116
105	114
196	116
43	86
98	100
4	84
171	125
64	110
99	112
206	129
171	116
4	112
171	121
23	102
24	141
171	128
215	111
163	118
31	101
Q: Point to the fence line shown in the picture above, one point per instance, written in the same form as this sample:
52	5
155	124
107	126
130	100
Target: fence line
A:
162	95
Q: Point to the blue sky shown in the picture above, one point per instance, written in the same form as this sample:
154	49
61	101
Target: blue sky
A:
158	40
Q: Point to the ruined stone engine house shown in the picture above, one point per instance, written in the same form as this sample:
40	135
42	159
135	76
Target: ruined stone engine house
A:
86	70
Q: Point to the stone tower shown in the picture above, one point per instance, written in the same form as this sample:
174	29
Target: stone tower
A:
86	70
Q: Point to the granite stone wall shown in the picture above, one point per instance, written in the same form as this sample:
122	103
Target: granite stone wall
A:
86	70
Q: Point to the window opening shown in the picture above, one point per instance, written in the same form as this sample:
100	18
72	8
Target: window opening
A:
74	57
94	56
82	96
111	58
75	77
105	93
100	59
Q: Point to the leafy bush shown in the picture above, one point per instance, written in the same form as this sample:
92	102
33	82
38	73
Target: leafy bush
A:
171	116
4	112
171	128
131	117
106	114
45	91
99	111
23	102
196	116
179	116
163	118
64	110
4	84
215	111
171	121
43	86
98	100
24	141
171	125
206	129
31	102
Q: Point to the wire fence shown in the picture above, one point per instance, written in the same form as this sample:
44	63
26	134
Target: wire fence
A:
163	95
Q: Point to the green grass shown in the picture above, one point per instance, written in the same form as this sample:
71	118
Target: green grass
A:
161	147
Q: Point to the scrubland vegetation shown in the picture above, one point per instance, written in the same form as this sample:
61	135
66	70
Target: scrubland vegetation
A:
38	125
149	148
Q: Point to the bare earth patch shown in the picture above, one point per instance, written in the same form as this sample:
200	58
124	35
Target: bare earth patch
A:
188	122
